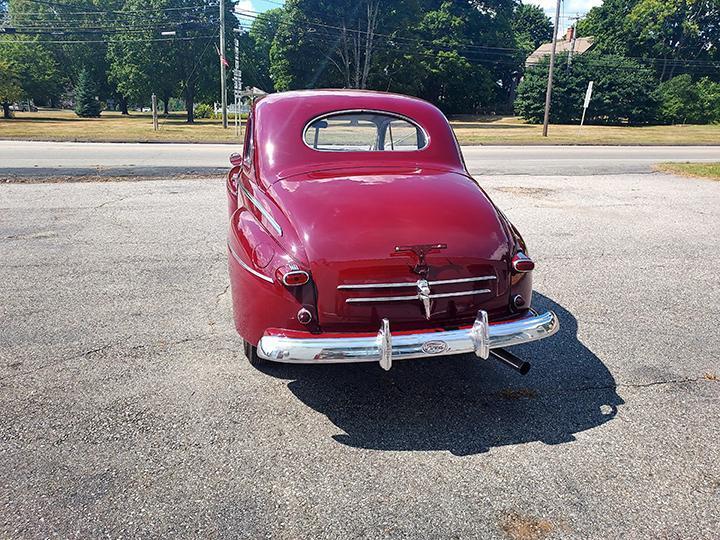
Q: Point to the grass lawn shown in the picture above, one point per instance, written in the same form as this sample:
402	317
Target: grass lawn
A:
54	125
698	170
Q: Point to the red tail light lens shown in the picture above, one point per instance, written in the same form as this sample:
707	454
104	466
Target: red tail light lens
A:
295	278
522	263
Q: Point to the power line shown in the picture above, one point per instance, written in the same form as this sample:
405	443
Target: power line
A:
75	42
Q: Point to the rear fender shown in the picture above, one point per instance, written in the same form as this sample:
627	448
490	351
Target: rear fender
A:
260	300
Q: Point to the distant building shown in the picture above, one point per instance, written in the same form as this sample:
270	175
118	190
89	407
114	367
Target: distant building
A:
581	45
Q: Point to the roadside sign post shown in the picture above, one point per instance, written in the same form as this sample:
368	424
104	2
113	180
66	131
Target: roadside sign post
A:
588	95
154	112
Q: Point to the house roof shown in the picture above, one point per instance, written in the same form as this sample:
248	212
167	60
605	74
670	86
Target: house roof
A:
582	45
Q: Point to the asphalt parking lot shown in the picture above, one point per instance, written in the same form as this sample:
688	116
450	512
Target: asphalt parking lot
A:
128	409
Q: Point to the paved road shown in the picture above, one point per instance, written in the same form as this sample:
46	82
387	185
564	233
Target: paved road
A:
128	409
109	159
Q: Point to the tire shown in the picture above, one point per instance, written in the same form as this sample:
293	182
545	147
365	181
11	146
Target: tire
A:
252	355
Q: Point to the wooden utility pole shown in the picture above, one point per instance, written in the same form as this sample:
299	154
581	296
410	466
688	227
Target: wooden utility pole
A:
223	90
548	92
154	112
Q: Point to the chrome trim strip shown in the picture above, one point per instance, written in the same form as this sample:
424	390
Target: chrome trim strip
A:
382	299
461	280
378	285
262	210
414	283
416	297
326	349
461	293
246	267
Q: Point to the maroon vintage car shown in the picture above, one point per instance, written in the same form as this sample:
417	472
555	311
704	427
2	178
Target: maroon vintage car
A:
357	235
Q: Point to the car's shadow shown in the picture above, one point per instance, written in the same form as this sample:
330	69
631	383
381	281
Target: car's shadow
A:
460	403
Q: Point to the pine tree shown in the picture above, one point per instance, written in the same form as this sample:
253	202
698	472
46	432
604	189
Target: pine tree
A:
86	103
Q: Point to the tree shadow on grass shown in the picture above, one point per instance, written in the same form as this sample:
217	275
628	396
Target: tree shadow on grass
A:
460	403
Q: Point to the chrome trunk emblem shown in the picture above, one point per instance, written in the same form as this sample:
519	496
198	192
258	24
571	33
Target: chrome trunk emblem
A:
424	295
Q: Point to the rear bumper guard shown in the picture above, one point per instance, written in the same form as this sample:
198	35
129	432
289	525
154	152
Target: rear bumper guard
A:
385	348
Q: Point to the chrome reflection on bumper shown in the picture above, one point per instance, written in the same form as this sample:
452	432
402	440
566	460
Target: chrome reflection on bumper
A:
385	348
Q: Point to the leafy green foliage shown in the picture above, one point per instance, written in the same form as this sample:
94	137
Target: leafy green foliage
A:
10	89
624	91
86	102
531	26
675	36
683	100
203	110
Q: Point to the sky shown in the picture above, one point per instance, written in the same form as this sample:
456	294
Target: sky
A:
568	9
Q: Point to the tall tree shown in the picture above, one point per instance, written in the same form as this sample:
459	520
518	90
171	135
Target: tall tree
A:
531	26
255	48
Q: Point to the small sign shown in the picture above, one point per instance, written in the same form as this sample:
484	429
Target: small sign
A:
588	94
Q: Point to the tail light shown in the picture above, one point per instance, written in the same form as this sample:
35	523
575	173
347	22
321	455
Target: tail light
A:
522	263
292	276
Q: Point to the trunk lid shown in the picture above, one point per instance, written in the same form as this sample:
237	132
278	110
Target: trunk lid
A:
350	226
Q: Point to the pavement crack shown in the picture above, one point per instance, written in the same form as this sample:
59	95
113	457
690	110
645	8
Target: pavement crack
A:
224	291
83	354
111	201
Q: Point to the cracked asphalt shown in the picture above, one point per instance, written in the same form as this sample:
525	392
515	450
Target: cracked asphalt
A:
127	409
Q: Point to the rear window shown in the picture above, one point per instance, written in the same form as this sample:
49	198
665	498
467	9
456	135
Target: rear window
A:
365	131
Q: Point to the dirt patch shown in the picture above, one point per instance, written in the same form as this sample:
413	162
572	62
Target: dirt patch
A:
519	527
711	376
535	192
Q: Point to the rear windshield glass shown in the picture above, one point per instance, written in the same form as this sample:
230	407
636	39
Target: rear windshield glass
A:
364	132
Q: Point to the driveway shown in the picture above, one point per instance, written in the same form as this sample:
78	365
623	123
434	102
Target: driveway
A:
128	409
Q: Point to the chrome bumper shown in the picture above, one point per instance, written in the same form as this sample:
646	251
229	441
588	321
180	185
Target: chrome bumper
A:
385	348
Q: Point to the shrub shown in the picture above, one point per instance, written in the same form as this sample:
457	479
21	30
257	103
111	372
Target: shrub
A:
203	110
624	90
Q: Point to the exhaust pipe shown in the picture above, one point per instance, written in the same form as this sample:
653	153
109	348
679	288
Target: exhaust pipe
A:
509	359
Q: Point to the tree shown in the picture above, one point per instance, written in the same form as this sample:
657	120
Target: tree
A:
86	102
531	27
683	100
624	91
675	36
10	89
325	43
255	48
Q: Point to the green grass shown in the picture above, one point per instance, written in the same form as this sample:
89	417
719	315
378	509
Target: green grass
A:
55	125
697	170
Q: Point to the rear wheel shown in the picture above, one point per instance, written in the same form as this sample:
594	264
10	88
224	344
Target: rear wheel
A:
252	355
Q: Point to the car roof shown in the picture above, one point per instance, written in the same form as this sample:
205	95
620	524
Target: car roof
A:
280	120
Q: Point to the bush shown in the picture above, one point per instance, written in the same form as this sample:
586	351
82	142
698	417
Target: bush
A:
624	91
684	101
86	102
203	110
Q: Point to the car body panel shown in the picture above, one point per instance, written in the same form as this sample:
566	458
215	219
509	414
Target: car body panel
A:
342	216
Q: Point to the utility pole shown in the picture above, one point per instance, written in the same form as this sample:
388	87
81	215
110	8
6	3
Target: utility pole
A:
548	92
223	91
575	19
